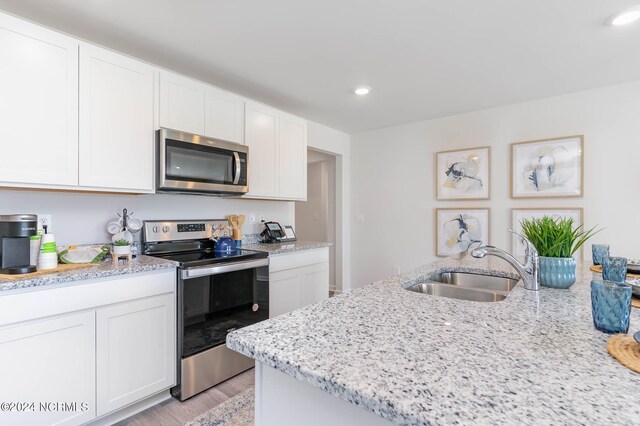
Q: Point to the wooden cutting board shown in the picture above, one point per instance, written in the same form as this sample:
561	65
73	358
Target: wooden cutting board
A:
63	267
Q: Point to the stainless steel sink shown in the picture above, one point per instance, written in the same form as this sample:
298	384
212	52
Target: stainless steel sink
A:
466	286
454	292
485	282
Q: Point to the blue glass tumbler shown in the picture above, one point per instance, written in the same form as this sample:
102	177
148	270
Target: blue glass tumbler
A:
610	306
614	269
598	252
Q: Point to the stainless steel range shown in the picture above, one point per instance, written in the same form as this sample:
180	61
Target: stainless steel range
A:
218	292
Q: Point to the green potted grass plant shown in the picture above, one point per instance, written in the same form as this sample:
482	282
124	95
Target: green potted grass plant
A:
556	241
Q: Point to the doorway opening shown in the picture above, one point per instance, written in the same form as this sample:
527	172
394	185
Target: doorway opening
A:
316	217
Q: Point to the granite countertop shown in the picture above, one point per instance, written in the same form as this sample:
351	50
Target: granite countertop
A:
281	248
99	270
414	359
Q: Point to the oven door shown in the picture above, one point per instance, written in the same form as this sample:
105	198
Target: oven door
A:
219	299
192	163
213	301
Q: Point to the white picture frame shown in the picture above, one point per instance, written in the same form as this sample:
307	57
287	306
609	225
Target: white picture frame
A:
548	168
458	229
463	174
517	215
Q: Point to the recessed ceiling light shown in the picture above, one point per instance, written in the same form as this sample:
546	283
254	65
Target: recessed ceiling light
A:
625	17
362	90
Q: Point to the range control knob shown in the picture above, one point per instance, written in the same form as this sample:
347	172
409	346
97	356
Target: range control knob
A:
155	229
165	228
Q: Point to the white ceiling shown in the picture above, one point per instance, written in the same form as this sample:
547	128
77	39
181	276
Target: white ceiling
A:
423	58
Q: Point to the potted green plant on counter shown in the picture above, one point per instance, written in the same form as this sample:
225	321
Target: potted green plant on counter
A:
121	247
556	241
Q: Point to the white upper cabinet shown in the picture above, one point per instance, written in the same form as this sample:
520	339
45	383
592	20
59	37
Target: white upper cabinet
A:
38	105
182	103
116	121
293	157
277	153
261	136
224	115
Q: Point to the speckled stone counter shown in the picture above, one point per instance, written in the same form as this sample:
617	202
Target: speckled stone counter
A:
100	270
414	359
282	248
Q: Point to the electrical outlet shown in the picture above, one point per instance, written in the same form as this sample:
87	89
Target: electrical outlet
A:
45	219
252	218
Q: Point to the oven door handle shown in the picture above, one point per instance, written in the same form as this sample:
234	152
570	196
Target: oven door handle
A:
236	178
203	271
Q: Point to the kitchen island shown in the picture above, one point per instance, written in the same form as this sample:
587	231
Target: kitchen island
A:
384	355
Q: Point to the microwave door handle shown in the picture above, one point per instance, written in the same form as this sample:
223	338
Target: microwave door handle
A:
238	172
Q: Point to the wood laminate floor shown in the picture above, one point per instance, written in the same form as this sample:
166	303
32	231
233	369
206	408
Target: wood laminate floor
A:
173	412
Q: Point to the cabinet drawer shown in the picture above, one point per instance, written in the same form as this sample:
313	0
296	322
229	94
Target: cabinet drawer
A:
281	262
36	303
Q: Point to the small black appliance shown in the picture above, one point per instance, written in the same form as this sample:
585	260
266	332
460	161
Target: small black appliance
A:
15	231
274	233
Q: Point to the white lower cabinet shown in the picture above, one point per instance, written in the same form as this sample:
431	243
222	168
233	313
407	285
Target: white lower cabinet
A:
297	280
136	348
315	283
49	362
284	289
87	350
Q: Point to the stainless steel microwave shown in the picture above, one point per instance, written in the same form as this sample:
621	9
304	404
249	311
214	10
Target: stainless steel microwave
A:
195	164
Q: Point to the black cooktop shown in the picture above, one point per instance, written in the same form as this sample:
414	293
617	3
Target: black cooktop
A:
200	258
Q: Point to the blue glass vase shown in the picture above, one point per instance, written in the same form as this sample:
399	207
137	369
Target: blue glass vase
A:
557	272
610	306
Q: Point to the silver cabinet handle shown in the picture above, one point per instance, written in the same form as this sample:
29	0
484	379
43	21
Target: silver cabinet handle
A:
203	271
236	178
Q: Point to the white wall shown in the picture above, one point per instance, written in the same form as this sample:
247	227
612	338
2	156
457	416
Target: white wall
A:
316	217
311	215
81	218
393	176
331	141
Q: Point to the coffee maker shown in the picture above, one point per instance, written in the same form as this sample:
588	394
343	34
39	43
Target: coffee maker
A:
15	230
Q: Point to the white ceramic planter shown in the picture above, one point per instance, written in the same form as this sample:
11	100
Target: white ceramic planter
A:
121	250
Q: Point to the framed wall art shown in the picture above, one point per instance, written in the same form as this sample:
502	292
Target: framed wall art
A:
517	215
547	168
458	229
463	174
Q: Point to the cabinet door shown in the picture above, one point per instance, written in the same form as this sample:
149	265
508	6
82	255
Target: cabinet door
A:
315	284
136	350
293	157
38	105
283	291
224	115
261	136
116	121
181	103
49	361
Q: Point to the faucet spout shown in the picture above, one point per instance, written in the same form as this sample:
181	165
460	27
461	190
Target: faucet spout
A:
527	271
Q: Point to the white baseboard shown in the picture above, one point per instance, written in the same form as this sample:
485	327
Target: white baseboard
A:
131	410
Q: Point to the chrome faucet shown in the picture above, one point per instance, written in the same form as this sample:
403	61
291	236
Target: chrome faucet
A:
529	271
